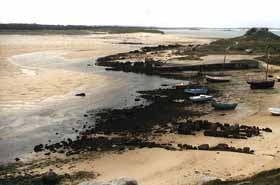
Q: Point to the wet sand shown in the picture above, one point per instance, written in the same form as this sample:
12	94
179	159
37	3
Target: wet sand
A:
40	75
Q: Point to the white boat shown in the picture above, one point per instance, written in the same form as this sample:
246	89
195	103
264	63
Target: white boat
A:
218	78
201	98
274	111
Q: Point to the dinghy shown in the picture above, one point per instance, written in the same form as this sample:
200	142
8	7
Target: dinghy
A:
196	91
201	98
274	111
224	106
181	85
217	78
261	84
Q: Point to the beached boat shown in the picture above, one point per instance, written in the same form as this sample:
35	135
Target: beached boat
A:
224	106
179	101
217	78
196	91
265	83
274	111
261	84
181	86
201	98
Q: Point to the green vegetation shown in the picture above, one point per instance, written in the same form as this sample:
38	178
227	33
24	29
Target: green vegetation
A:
255	41
274	59
48	179
271	177
70	29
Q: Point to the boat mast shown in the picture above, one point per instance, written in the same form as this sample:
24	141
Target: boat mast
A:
224	64
267	61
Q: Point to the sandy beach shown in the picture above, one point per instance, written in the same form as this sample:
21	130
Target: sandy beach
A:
39	76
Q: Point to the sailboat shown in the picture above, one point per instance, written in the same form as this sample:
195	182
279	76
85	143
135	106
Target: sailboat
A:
266	83
218	78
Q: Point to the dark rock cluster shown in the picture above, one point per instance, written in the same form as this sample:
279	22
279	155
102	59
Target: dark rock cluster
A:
120	144
219	129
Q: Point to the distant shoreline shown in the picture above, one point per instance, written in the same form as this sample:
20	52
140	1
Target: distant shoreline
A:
72	29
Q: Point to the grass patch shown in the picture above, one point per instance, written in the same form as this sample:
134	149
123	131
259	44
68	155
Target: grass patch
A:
274	59
271	177
255	39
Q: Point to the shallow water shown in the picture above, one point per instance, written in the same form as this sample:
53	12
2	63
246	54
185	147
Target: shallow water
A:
211	33
24	125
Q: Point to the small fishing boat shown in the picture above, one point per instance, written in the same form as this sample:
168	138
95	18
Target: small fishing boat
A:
224	106
261	84
201	98
181	86
196	91
265	83
217	78
274	111
179	101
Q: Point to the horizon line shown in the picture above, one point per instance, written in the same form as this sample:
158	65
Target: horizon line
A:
151	27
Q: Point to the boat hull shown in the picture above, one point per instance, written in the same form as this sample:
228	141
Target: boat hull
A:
224	106
217	79
201	99
274	111
261	84
197	91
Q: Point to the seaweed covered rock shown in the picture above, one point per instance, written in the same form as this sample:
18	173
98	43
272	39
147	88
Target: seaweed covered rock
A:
118	181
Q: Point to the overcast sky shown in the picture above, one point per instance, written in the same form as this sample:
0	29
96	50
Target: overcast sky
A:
165	13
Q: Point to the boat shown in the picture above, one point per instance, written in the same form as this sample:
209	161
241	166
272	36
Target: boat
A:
196	91
201	98
217	78
181	86
261	84
265	83
274	111
179	101
224	106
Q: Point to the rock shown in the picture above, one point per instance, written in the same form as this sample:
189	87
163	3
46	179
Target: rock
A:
119	181
80	94
206	179
267	130
50	178
38	148
137	99
203	147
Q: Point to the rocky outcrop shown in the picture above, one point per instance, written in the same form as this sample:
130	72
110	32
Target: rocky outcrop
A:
261	34
118	181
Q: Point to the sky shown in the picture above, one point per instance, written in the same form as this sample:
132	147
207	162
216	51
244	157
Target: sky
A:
160	13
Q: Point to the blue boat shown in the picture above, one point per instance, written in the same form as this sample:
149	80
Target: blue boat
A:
196	91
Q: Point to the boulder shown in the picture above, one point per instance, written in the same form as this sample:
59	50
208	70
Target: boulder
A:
50	178
118	181
80	94
203	147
